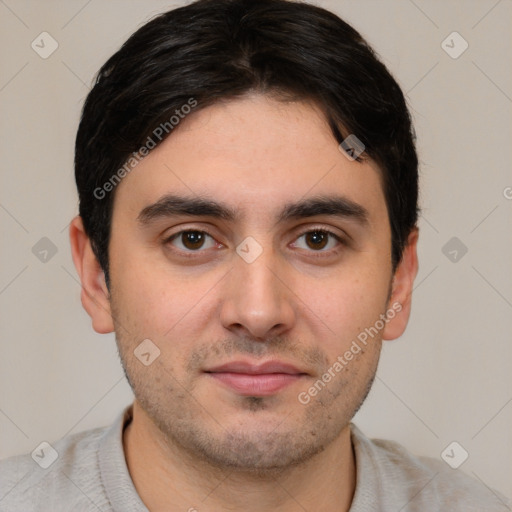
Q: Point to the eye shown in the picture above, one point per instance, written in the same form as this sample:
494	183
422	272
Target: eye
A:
192	240
318	240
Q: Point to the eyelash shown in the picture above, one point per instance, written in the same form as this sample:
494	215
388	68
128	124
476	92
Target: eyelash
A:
315	254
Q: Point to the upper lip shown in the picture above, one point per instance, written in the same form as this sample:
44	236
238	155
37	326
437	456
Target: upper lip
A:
256	368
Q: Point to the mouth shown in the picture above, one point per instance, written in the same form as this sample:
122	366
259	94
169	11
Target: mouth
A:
252	379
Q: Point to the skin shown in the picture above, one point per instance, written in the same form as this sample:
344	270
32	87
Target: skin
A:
193	442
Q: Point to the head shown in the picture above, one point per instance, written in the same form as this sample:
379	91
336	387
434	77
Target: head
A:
220	219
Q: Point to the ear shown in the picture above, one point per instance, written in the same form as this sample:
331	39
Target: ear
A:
401	290
95	294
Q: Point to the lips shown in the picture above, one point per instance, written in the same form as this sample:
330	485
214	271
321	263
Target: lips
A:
252	379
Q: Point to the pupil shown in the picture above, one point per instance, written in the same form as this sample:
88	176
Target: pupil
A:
193	239
317	240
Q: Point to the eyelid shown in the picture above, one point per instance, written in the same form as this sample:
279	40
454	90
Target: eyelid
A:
339	235
335	231
182	230
167	241
339	238
176	235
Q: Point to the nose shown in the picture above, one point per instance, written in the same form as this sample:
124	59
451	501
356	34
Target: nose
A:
257	302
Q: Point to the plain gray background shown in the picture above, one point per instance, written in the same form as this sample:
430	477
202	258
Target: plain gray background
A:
447	379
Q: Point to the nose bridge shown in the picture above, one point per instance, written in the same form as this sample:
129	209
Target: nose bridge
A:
256	300
258	279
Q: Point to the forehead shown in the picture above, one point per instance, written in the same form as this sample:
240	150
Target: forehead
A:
253	153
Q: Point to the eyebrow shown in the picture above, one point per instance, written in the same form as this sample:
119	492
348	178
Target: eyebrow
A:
172	205
336	206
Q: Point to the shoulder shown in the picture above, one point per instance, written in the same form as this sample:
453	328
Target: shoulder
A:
418	483
68	469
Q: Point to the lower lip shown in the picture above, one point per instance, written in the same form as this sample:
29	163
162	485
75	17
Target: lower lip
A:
256	385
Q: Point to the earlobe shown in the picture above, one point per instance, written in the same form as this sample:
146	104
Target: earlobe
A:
402	286
95	295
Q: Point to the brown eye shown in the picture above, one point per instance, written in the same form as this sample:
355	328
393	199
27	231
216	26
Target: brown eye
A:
189	241
192	240
317	240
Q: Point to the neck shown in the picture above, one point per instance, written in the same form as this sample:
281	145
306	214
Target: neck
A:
169	478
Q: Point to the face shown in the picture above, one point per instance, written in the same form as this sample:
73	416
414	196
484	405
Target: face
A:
253	254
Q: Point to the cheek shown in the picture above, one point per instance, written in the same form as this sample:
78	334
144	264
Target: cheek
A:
344	304
161	305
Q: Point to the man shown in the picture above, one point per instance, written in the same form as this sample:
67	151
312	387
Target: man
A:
248	203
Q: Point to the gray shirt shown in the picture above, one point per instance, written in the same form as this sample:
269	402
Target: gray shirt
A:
90	474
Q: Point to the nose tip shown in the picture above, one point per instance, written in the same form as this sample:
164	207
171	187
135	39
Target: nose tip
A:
257	329
256	304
